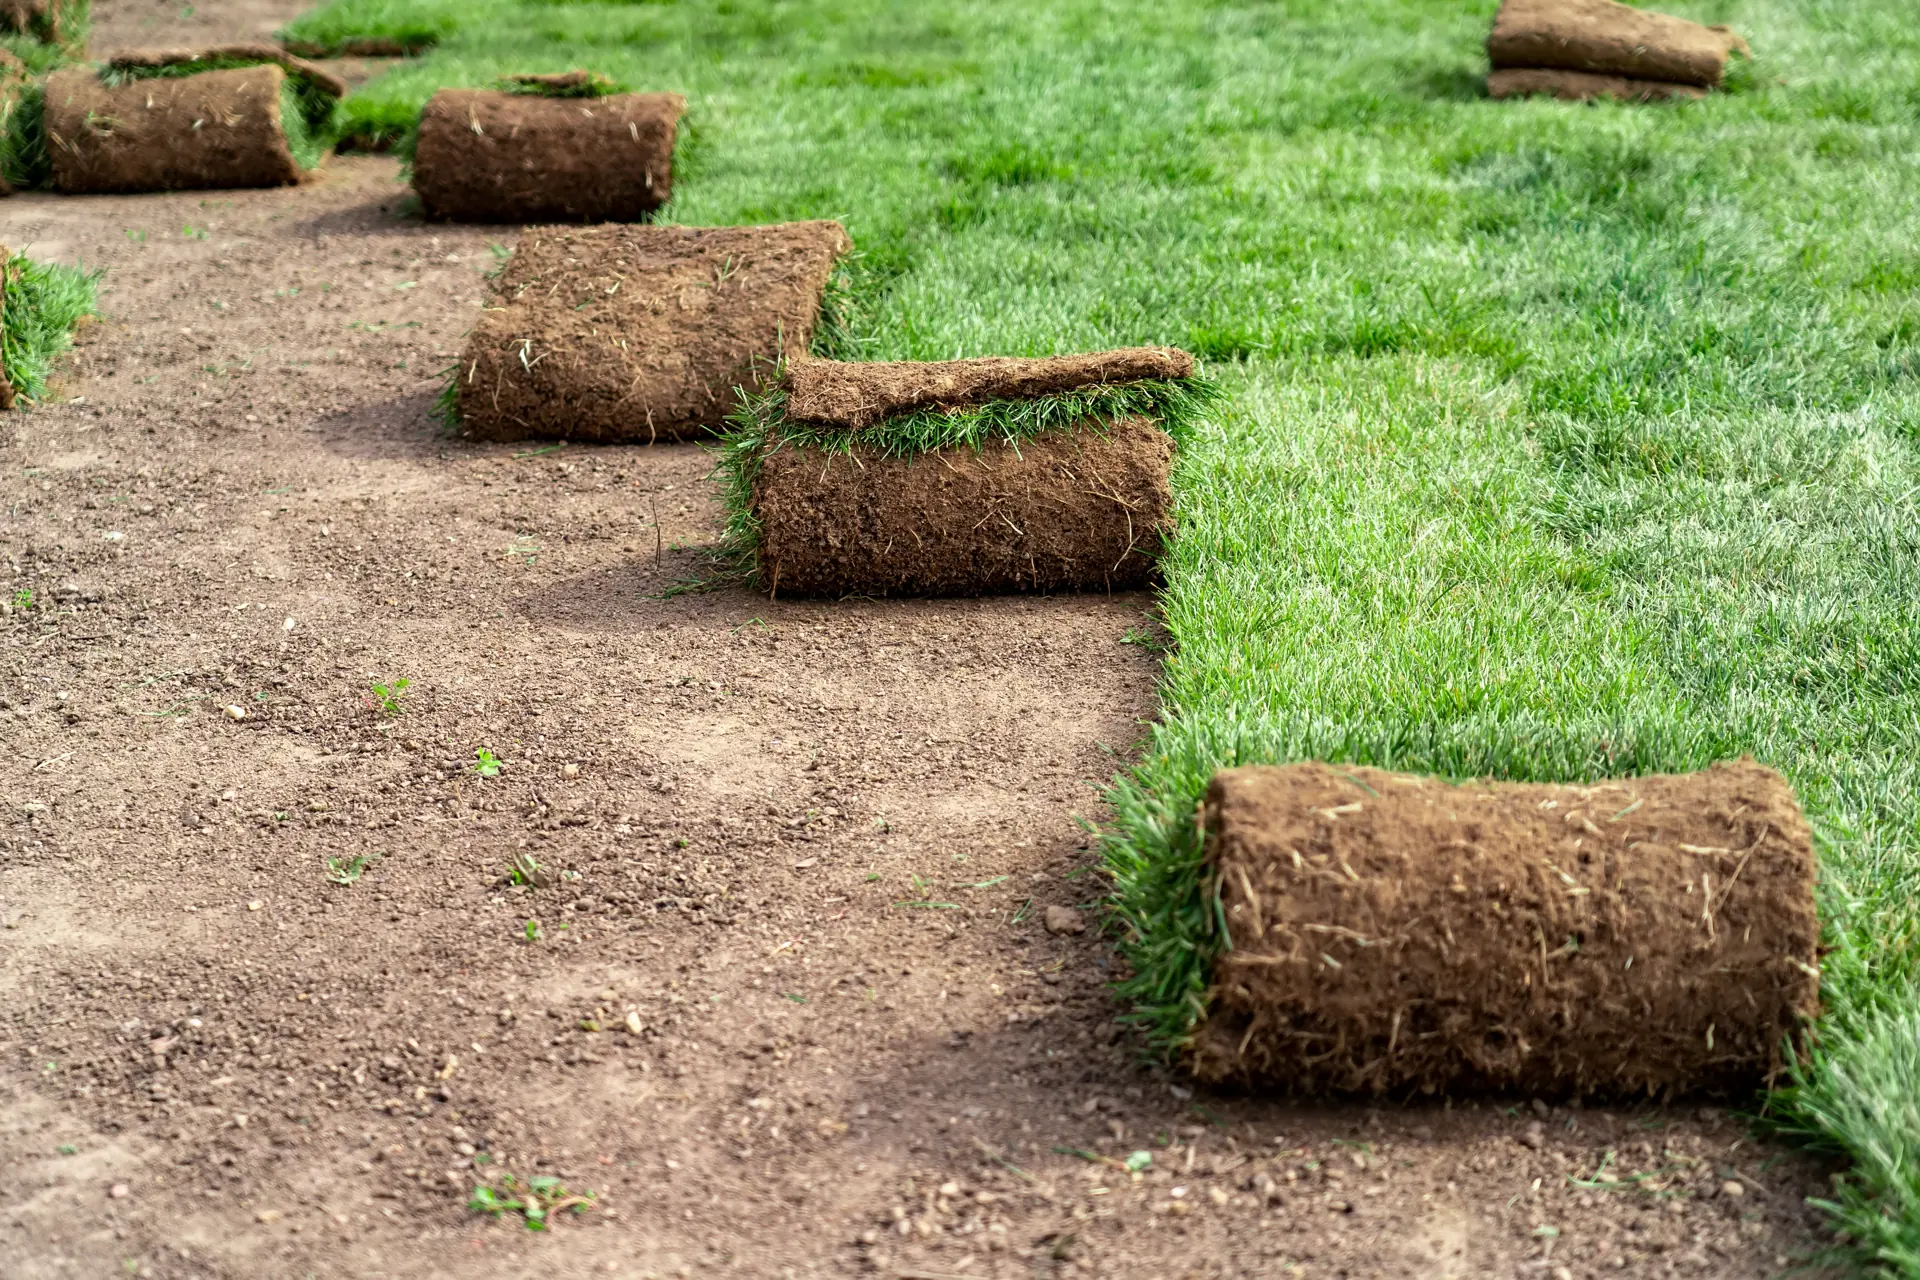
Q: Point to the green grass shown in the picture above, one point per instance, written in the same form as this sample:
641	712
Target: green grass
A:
44	301
760	426
23	142
1563	441
309	114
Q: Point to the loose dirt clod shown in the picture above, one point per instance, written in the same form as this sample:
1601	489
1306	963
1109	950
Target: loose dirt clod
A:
491	156
215	129
1583	86
1396	933
635	333
1607	38
1084	509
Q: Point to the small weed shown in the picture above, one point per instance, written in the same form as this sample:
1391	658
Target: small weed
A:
348	870
532	930
23	598
536	1201
528	872
138	237
68	1149
192	232
486	764
1142	639
386	697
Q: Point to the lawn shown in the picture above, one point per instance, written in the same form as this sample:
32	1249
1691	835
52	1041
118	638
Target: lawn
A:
1558	441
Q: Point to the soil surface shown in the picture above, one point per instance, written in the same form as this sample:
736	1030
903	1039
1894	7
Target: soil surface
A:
825	860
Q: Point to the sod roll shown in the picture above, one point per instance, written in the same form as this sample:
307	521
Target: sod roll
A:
1084	509
216	129
630	334
51	21
1395	934
1607	38
1583	86
490	156
22	155
6	287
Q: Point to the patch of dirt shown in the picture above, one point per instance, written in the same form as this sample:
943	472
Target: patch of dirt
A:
1083	509
814	846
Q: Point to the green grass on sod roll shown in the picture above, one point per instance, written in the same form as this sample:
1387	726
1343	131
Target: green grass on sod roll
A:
761	424
44	301
309	116
1562	441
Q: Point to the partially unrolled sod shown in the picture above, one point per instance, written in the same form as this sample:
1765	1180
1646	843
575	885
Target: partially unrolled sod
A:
491	156
628	334
152	121
1608	38
841	506
1583	86
1396	934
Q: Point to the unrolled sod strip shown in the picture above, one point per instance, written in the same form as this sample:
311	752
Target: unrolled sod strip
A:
490	156
1584	86
1607	38
214	129
631	334
1396	934
841	502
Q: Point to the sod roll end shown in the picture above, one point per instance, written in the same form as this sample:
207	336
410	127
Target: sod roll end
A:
217	129
1392	934
1608	38
628	334
491	156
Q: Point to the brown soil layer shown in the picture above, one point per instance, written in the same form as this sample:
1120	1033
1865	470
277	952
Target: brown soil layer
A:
1396	934
635	333
1608	38
1583	86
485	155
861	394
1079	510
319	76
214	130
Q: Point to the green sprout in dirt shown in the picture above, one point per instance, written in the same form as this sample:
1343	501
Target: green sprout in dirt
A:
527	872
536	1201
760	426
532	931
385	698
486	764
348	870
23	598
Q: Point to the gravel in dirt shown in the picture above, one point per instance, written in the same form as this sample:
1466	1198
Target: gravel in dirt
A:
730	911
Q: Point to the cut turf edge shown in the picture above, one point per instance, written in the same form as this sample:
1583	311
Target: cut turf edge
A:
43	303
760	425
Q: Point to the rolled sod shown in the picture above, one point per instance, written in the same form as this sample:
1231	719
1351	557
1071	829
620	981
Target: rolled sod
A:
546	153
1606	38
1584	86
962	477
6	287
630	334
174	120
1395	934
23	150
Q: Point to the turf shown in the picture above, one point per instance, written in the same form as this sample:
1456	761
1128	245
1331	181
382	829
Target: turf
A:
309	115
39	48
44	301
1562	441
761	426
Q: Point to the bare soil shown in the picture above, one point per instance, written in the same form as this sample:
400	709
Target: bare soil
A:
810	849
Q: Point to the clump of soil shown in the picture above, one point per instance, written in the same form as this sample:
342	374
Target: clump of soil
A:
1391	933
1584	86
217	129
635	333
855	395
1079	510
487	155
1605	38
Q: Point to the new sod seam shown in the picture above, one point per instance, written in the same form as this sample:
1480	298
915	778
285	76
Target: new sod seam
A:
760	425
1562	442
43	303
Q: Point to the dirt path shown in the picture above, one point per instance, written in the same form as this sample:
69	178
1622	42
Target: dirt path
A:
806	849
